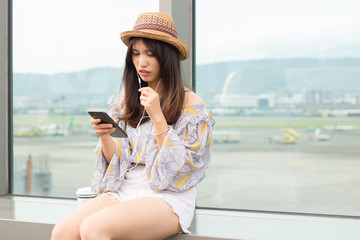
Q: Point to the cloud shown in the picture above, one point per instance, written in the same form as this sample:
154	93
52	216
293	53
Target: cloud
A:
63	36
259	29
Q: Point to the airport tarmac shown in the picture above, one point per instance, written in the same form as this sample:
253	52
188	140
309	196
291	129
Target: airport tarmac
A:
310	176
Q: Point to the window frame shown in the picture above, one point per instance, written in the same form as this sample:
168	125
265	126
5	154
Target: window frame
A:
5	96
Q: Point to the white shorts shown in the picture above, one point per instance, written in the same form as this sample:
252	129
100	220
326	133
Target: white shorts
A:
135	186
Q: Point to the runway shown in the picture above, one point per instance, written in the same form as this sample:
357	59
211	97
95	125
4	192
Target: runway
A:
310	176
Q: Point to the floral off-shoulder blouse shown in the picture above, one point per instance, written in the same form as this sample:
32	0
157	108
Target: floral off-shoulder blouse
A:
179	165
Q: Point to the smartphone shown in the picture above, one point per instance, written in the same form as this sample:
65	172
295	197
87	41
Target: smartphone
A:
105	118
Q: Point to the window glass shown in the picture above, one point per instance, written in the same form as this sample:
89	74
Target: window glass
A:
282	79
67	59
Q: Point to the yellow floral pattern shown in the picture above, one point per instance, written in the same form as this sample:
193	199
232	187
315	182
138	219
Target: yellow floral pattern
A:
179	165
182	181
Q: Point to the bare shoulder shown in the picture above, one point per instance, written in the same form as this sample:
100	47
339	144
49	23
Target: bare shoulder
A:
191	98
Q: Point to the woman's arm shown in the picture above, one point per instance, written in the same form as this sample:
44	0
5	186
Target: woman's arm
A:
108	144
186	149
185	154
150	100
160	130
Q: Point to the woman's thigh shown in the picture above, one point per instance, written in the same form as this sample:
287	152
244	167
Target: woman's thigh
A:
69	227
142	218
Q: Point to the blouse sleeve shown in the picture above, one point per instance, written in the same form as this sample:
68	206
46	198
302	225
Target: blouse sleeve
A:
110	175
185	154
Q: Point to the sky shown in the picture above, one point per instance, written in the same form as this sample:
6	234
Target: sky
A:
52	36
259	29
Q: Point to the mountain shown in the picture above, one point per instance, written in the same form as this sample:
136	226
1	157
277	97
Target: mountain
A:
346	50
279	76
93	86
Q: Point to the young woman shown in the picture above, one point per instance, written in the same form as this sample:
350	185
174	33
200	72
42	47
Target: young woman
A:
147	182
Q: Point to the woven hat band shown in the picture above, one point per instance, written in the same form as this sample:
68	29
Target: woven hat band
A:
157	27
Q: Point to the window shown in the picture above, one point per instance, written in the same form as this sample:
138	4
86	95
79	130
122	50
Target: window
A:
282	79
67	58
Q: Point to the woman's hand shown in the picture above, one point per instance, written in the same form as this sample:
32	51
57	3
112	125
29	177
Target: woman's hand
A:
103	129
151	101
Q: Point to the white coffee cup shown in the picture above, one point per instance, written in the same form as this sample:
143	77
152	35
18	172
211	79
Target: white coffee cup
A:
84	195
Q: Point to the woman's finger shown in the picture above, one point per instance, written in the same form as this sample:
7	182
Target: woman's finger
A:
107	130
105	125
102	126
147	91
143	98
95	121
102	132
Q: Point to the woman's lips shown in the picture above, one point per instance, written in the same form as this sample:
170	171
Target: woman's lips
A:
144	73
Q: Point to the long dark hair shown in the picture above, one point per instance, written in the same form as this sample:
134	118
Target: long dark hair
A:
173	88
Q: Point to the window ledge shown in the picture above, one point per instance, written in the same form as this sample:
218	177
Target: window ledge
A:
30	213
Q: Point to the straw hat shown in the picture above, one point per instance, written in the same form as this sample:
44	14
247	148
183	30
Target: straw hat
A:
158	26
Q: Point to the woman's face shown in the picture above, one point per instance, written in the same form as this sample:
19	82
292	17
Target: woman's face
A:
146	64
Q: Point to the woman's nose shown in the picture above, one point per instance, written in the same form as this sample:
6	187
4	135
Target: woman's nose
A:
142	61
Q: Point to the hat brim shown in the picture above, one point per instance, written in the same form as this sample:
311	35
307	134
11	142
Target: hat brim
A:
153	34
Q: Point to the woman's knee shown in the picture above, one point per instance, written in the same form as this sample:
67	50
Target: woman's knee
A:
91	228
64	230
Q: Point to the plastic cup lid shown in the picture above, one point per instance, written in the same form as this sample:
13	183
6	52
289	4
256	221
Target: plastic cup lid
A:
85	191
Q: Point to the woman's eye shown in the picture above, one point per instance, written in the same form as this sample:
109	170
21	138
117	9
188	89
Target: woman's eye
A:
135	53
151	54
